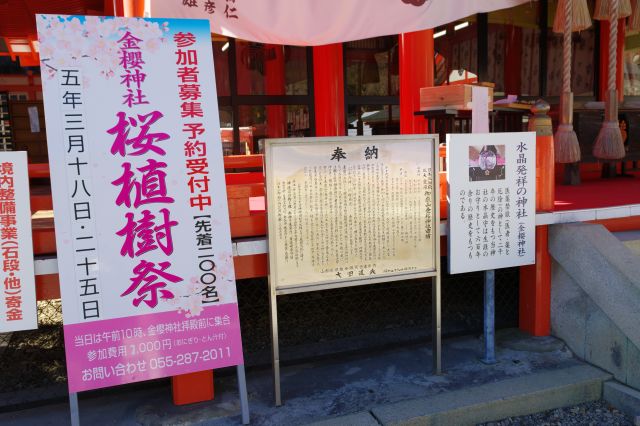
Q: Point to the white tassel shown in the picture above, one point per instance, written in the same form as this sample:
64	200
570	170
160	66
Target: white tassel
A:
609	144
634	19
604	9
581	17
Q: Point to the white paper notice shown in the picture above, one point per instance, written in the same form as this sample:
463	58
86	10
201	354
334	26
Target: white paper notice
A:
479	109
492	200
18	302
34	120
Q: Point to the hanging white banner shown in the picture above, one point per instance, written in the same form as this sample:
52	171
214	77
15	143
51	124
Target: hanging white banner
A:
313	22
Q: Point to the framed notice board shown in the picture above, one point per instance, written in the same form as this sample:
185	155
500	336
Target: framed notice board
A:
349	211
346	211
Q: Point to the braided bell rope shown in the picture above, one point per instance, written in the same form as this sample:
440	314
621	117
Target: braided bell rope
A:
613	40
566	46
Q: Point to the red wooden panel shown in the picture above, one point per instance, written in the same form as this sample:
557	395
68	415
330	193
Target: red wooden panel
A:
41	202
251	266
39	170
243	178
238	207
243	161
44	241
238	191
245	191
193	387
249	226
47	287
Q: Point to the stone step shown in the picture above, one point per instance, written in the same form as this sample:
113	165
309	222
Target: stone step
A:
631	239
518	396
622	397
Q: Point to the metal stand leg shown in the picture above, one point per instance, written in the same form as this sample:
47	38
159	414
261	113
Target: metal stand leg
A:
489	317
242	389
273	306
436	324
73	409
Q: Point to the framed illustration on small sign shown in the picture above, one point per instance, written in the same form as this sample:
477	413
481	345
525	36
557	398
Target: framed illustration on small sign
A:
492	200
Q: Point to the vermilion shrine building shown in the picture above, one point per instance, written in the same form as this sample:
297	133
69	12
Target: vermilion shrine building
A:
362	87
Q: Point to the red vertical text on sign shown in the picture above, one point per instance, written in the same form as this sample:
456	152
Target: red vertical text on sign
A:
9	244
196	160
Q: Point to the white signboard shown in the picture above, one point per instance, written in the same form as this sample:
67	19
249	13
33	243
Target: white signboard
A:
344	211
18	304
142	228
492	200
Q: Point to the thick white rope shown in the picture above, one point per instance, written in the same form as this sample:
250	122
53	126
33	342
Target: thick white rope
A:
566	46
613	44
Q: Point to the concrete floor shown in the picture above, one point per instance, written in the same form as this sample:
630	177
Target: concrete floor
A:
319	389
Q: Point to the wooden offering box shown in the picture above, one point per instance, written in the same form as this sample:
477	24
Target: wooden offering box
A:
455	96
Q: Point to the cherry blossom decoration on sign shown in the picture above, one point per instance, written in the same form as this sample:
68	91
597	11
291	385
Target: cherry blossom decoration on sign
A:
95	39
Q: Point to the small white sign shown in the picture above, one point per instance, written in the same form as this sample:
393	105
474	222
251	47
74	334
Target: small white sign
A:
479	109
18	305
34	120
492	200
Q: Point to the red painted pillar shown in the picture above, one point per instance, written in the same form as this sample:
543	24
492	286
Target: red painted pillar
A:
328	78
416	71
535	289
274	82
535	280
604	56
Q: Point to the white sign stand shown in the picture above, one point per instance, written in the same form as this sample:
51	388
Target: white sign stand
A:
74	409
480	124
310	281
490	176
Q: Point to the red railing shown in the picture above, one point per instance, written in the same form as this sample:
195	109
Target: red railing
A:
245	195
